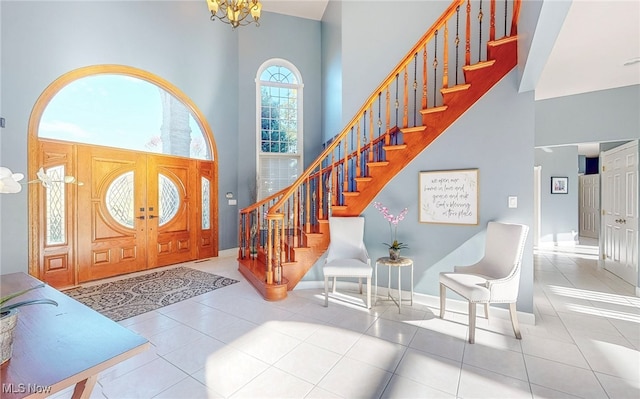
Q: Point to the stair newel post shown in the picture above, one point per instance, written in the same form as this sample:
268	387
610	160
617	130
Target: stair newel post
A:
445	57
492	21
241	228
514	17
467	49
270	253
296	221
278	238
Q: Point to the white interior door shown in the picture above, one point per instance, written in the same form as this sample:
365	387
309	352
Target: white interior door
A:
589	205
620	211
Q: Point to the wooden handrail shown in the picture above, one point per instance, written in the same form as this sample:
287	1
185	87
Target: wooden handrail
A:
332	182
423	40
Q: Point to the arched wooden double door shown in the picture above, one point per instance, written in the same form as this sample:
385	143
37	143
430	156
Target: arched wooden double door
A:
133	211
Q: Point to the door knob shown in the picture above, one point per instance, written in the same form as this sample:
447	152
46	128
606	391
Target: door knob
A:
152	216
141	217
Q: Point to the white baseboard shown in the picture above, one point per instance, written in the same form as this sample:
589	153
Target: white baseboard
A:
431	301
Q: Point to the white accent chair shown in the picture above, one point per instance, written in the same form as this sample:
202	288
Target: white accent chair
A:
347	255
494	279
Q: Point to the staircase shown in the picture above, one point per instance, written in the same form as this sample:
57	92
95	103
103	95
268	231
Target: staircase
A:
282	237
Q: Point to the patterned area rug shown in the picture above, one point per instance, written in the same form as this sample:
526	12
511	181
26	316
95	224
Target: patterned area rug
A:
119	300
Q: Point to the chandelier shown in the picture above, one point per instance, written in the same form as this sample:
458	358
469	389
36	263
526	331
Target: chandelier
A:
235	12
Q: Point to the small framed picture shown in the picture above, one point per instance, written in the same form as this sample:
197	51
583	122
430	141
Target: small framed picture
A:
559	185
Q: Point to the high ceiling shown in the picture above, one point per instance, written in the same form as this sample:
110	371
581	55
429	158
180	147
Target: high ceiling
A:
597	47
594	42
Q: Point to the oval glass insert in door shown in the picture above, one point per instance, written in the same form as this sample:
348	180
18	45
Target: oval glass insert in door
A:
119	199
168	199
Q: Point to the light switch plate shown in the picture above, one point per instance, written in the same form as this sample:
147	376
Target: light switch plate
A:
513	202
233	202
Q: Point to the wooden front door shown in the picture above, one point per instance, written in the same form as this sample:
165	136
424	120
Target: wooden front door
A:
134	213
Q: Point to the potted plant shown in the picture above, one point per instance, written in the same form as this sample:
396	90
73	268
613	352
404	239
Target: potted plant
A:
395	246
9	318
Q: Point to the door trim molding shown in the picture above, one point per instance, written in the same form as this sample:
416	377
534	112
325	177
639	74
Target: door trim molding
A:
33	147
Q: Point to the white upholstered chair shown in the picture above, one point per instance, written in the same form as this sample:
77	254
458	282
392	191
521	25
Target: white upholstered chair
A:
494	279
347	255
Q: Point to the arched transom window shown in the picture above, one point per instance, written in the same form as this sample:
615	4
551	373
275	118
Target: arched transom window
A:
279	98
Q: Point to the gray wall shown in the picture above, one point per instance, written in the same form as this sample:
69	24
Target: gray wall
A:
332	70
273	39
172	39
476	140
558	212
605	115
502	151
370	51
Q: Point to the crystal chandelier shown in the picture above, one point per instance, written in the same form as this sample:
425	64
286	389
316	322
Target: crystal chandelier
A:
235	12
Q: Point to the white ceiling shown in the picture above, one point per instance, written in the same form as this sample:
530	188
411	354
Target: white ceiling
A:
595	41
310	9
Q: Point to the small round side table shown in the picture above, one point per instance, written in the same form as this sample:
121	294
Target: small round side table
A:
399	264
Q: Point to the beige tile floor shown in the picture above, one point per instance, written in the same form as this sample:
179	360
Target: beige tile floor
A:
231	343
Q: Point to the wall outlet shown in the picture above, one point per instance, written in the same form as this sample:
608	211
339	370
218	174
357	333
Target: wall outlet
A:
513	202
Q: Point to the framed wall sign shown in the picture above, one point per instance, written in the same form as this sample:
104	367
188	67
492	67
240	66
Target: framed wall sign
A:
449	196
559	185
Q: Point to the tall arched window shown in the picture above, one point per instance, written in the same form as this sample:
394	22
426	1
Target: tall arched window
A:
279	121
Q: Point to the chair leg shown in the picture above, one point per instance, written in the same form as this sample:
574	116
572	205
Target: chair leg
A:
334	285
514	320
326	291
486	310
472	322
443	299
368	292
360	284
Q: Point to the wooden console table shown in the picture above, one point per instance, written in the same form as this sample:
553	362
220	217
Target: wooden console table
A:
57	347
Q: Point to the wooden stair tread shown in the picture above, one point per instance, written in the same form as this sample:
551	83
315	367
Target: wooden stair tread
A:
480	78
363	179
433	110
415	129
504	40
394	147
456	88
479	65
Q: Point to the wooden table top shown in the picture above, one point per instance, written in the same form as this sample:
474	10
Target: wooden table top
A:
59	346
